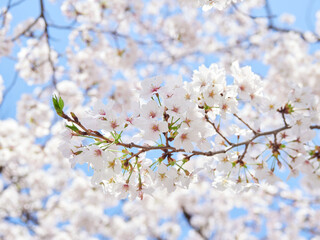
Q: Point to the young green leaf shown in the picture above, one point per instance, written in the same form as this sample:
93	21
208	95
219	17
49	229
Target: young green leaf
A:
73	128
56	104
61	103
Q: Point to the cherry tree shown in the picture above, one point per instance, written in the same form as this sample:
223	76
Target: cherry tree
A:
146	121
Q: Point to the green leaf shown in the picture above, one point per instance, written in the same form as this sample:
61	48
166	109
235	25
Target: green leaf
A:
206	107
56	104
172	163
61	103
73	128
76	153
289	108
174	128
312	152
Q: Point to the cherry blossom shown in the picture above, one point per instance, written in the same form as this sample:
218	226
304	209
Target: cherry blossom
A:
34	65
36	114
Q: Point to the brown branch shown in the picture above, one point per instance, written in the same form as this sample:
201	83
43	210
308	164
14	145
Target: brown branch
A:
47	36
98	135
271	25
134	155
243	154
255	132
284	119
300	33
63	27
188	217
210	153
217	130
269	13
7	8
26	29
248	14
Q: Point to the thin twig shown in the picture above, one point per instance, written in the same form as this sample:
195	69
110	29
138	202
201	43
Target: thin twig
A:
217	130
255	132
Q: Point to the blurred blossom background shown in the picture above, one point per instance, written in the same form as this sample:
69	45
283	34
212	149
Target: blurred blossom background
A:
91	51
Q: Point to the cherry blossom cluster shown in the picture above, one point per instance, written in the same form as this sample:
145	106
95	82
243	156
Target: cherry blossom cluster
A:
6	45
33	62
181	120
36	114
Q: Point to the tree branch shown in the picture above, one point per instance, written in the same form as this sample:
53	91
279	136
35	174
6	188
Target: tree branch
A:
188	218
